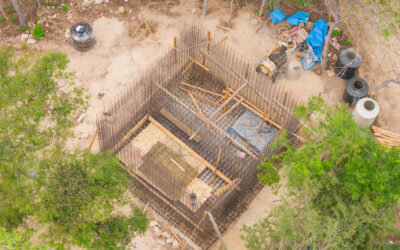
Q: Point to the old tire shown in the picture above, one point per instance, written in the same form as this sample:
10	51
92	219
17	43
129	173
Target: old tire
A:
356	89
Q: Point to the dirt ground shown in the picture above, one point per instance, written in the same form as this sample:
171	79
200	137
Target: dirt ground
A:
117	59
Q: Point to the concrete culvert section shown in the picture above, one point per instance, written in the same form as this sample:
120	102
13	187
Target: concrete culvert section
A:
366	112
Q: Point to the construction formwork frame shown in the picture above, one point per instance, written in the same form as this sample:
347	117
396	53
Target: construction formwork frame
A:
158	97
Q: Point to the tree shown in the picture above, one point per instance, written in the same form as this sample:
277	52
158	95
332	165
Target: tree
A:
205	7
72	193
20	13
342	186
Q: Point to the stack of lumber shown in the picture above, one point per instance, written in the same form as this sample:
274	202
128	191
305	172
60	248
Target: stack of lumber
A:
386	137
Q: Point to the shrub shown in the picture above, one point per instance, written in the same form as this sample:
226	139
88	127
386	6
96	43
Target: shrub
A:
346	43
335	32
38	32
65	8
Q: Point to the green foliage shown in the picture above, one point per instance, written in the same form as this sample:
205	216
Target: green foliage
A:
304	3
65	8
336	32
29	98
14	239
343	182
346	43
2	19
79	199
38	32
13	18
23	46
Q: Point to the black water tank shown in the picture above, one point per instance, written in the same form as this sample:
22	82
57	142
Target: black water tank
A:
278	56
347	64
356	89
82	36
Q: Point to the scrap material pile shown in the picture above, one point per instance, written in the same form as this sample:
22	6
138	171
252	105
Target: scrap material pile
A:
183	131
386	137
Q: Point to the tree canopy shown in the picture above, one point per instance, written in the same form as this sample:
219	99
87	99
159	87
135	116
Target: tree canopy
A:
342	186
74	194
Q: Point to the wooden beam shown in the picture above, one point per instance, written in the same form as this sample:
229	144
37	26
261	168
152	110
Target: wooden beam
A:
205	120
145	208
130	133
219	108
173	232
229	110
137	28
178	123
223	189
199	63
216	164
149	30
190	64
200	96
189	149
196	104
201	89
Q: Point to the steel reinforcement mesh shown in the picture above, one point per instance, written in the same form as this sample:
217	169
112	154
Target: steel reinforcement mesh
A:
199	60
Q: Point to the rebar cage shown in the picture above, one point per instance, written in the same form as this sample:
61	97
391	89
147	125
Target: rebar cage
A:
193	94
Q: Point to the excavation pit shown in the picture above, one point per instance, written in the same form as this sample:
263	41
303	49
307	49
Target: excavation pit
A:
170	129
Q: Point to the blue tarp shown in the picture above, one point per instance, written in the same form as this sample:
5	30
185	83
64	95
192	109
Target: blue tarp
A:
297	18
277	16
317	37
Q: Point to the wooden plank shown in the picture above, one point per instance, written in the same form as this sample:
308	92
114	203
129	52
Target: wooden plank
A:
201	89
229	110
223	189
173	232
178	123
137	28
190	64
189	149
196	104
130	133
200	96
199	63
94	137
145	208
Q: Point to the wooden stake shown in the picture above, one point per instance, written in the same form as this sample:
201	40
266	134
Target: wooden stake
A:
216	164
186	69
204	58
247	71
229	110
198	63
223	189
148	29
145	208
200	96
175	49
263	120
226	95
173	232
137	28
94	137
177	164
201	89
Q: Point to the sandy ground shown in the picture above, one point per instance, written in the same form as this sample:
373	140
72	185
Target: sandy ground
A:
117	59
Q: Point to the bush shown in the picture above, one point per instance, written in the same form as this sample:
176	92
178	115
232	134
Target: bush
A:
38	32
335	32
65	8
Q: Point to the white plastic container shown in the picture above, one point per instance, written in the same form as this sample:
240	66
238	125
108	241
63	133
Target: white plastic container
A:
365	112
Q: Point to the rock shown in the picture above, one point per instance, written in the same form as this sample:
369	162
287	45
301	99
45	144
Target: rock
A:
156	229
335	43
330	73
254	20
161	242
24	37
47	24
169	241
100	95
121	9
175	243
153	223
166	235
334	57
31	41
68	34
158	233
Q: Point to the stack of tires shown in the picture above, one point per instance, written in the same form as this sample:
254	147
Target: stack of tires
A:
347	64
356	89
82	36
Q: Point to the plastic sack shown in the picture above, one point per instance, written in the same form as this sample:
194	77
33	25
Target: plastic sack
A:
317	37
297	18
277	16
310	59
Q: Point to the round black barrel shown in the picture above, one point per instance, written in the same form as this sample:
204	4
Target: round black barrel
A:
347	64
82	36
356	89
